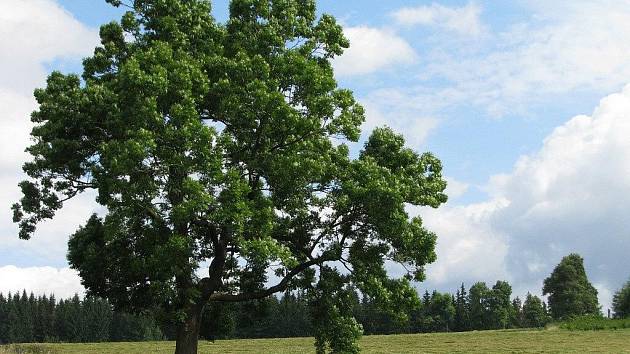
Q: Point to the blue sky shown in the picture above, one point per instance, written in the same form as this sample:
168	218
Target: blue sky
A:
524	102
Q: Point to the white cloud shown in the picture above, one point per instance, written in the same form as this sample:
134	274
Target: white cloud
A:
455	188
463	20
400	111
372	49
33	33
566	47
468	248
63	283
15	128
570	196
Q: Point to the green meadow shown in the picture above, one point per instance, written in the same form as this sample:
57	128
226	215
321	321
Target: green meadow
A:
509	341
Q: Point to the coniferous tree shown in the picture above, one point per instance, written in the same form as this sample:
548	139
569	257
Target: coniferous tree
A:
462	311
134	328
3	319
516	313
219	322
27	304
48	310
97	315
59	322
75	321
438	312
292	318
14	319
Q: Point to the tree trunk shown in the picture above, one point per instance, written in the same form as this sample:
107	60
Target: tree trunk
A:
188	332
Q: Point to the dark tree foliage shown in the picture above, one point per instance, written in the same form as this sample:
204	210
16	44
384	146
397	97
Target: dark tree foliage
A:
570	292
336	330
4	318
534	312
225	144
438	312
499	306
621	301
516	313
296	313
26	318
377	321
461	321
478	301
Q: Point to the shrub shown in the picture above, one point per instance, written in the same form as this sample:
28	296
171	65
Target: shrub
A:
594	323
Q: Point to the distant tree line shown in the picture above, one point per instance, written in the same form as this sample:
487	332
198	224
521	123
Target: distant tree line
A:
26	318
478	308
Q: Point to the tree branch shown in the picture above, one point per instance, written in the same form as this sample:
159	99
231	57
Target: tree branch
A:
281	286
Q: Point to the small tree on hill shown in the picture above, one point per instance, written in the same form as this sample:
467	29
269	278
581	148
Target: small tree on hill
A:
621	302
516	313
220	146
570	292
499	305
478	301
534	313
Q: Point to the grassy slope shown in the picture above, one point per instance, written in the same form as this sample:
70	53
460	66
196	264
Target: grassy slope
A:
549	341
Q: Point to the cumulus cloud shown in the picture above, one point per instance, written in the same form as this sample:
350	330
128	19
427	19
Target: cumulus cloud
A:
33	34
567	197
468	247
63	283
463	20
403	112
372	49
455	188
565	47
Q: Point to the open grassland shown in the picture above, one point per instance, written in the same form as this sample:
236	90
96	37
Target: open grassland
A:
547	341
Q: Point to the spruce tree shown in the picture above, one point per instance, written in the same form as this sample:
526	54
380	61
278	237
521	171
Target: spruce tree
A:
97	315
462	310
516	313
3	319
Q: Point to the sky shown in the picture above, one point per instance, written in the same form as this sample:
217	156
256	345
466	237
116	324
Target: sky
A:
525	102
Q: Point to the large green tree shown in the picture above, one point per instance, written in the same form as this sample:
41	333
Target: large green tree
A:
570	292
218	152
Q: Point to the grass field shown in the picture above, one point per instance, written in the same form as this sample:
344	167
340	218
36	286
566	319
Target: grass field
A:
547	341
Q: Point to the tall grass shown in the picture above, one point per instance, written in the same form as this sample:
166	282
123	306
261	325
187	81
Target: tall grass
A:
594	323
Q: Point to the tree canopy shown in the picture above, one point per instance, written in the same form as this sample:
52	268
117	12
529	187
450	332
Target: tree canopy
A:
570	292
219	152
621	301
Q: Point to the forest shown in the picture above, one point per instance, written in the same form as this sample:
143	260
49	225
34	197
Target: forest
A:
25	318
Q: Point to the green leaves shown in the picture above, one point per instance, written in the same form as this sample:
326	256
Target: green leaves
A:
570	292
213	144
